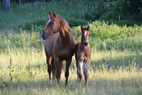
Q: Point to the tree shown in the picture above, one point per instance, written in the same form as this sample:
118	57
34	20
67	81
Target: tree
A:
35	1
20	2
129	8
6	4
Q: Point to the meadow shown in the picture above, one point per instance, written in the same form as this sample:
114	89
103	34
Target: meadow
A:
116	53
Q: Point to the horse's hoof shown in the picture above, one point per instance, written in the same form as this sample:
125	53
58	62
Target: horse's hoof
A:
50	82
86	85
66	85
78	84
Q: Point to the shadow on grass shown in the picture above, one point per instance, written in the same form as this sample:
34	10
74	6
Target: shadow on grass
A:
110	87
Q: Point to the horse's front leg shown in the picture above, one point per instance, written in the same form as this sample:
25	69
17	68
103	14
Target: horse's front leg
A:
68	62
48	59
79	72
86	73
53	69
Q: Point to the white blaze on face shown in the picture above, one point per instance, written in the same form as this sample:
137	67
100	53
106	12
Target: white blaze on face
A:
48	22
85	33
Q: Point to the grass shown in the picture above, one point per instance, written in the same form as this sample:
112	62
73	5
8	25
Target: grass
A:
116	52
109	84
30	75
29	15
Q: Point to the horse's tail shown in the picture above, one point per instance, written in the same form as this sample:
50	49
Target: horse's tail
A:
76	45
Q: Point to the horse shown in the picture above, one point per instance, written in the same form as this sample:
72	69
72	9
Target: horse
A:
82	56
59	46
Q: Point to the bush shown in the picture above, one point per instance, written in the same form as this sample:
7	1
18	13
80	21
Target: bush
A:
105	37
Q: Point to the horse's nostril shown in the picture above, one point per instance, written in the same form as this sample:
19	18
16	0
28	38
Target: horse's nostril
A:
43	36
85	43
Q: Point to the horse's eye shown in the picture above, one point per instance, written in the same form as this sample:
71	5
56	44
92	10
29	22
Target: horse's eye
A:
52	22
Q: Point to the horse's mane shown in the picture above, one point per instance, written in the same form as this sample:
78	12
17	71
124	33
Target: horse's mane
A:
64	24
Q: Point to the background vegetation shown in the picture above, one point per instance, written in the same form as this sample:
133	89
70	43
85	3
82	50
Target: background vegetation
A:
116	47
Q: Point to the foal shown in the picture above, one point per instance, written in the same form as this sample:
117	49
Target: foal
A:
82	55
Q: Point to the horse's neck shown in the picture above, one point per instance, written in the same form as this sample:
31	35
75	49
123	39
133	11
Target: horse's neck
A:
64	36
84	48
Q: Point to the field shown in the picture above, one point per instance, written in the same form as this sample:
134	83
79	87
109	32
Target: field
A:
116	53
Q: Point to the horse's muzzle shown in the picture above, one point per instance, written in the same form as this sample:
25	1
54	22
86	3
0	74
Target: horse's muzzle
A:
45	35
85	43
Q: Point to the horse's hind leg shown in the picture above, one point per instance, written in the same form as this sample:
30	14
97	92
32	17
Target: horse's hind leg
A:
79	72
58	65
48	59
59	70
68	62
86	73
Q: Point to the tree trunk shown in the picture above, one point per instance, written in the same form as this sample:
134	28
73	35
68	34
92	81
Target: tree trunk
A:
20	3
35	1
6	4
55	2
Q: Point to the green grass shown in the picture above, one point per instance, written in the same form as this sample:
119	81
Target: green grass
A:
29	15
29	74
116	53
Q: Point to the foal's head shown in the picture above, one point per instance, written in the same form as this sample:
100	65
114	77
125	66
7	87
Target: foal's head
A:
55	24
85	34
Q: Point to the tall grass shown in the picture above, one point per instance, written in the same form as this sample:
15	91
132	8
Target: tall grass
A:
30	74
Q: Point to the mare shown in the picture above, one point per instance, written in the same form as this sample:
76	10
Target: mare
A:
59	46
82	55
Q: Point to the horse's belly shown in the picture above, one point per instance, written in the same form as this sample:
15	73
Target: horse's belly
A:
65	54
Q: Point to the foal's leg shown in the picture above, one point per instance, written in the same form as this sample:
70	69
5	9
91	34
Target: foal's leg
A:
68	62
79	72
86	73
48	59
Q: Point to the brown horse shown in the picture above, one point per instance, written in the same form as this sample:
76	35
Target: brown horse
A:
82	55
59	46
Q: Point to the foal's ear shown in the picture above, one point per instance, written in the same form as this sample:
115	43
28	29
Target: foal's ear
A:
54	14
50	13
88	28
82	29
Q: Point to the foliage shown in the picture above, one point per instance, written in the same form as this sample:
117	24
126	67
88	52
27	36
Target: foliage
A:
105	37
29	15
128	10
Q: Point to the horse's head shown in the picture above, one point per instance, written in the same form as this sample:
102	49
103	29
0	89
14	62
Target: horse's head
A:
85	34
53	25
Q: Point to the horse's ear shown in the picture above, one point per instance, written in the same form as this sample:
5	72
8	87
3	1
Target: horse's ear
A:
54	14
88	28
50	13
82	29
